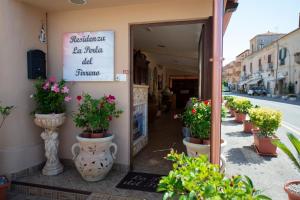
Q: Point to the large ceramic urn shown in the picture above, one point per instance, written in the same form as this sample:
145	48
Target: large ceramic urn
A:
194	150
50	122
94	157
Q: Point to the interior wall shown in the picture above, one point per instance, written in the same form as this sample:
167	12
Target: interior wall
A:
20	143
117	19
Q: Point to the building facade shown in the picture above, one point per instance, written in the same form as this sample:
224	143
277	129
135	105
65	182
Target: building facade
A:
20	145
231	74
273	66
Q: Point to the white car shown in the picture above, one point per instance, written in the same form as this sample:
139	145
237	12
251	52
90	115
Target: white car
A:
250	92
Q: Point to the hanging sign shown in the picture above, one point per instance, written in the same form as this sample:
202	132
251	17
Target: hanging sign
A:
89	56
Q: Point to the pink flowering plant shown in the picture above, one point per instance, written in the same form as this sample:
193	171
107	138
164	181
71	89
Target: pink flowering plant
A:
95	115
50	96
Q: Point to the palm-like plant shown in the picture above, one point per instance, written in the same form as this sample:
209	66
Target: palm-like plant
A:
296	143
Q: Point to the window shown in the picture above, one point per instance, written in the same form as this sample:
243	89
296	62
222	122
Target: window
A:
282	56
251	70
270	58
259	65
244	68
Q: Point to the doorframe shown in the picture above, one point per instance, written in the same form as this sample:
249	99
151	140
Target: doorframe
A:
206	25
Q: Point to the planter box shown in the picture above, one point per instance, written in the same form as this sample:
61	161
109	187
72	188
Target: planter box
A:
248	126
264	144
232	113
240	117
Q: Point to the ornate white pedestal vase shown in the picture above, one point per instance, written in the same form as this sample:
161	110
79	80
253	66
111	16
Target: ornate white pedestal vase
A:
95	157
194	150
50	122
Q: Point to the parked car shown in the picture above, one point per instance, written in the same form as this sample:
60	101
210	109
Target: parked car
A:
257	91
226	89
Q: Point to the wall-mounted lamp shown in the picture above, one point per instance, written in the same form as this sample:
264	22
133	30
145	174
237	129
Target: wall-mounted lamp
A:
231	6
42	36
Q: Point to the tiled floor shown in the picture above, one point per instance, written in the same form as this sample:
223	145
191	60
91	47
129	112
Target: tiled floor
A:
164	133
71	179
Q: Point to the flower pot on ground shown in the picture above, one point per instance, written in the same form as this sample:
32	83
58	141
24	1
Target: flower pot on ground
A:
248	126
292	188
50	97
4	186
241	106
196	178
197	117
96	157
230	105
267	121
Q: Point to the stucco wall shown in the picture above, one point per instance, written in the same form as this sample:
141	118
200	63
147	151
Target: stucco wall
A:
118	20
20	143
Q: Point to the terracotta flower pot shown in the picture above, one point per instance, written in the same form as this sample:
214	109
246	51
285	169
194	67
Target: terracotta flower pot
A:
97	135
248	126
232	112
240	117
255	130
264	144
3	189
292	195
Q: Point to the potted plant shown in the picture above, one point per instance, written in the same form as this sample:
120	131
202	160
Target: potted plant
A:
241	105
196	178
292	188
230	105
248	123
95	158
267	121
51	98
197	117
4	182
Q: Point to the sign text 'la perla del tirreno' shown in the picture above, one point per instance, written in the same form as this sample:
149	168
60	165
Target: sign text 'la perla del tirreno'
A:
89	56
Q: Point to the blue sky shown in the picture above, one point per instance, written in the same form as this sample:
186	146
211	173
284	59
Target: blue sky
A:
258	16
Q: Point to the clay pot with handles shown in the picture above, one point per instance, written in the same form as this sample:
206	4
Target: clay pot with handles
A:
94	157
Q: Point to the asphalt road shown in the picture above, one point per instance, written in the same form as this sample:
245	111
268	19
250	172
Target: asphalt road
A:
290	112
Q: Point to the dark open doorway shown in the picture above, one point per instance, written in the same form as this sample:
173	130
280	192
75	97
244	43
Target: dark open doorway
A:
167	62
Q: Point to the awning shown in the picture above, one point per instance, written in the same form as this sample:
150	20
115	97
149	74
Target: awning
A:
253	82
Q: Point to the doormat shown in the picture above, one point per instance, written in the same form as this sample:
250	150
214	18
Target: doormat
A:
140	181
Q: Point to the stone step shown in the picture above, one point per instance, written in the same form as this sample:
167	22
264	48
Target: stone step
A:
35	191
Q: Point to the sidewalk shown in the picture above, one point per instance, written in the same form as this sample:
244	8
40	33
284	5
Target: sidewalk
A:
267	173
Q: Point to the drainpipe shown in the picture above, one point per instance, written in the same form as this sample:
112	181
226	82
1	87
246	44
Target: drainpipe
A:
215	141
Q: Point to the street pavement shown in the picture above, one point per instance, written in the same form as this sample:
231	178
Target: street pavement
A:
268	173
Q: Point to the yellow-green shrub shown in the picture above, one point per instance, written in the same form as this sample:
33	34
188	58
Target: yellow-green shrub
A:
267	120
242	105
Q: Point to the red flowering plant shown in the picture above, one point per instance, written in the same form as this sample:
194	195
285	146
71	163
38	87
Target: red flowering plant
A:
50	96
197	117
95	115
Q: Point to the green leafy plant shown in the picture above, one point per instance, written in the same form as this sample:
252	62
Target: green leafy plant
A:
267	120
4	113
229	101
197	117
296	143
50	96
195	178
242	105
95	115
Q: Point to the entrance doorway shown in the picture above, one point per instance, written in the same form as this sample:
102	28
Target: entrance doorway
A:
167	63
